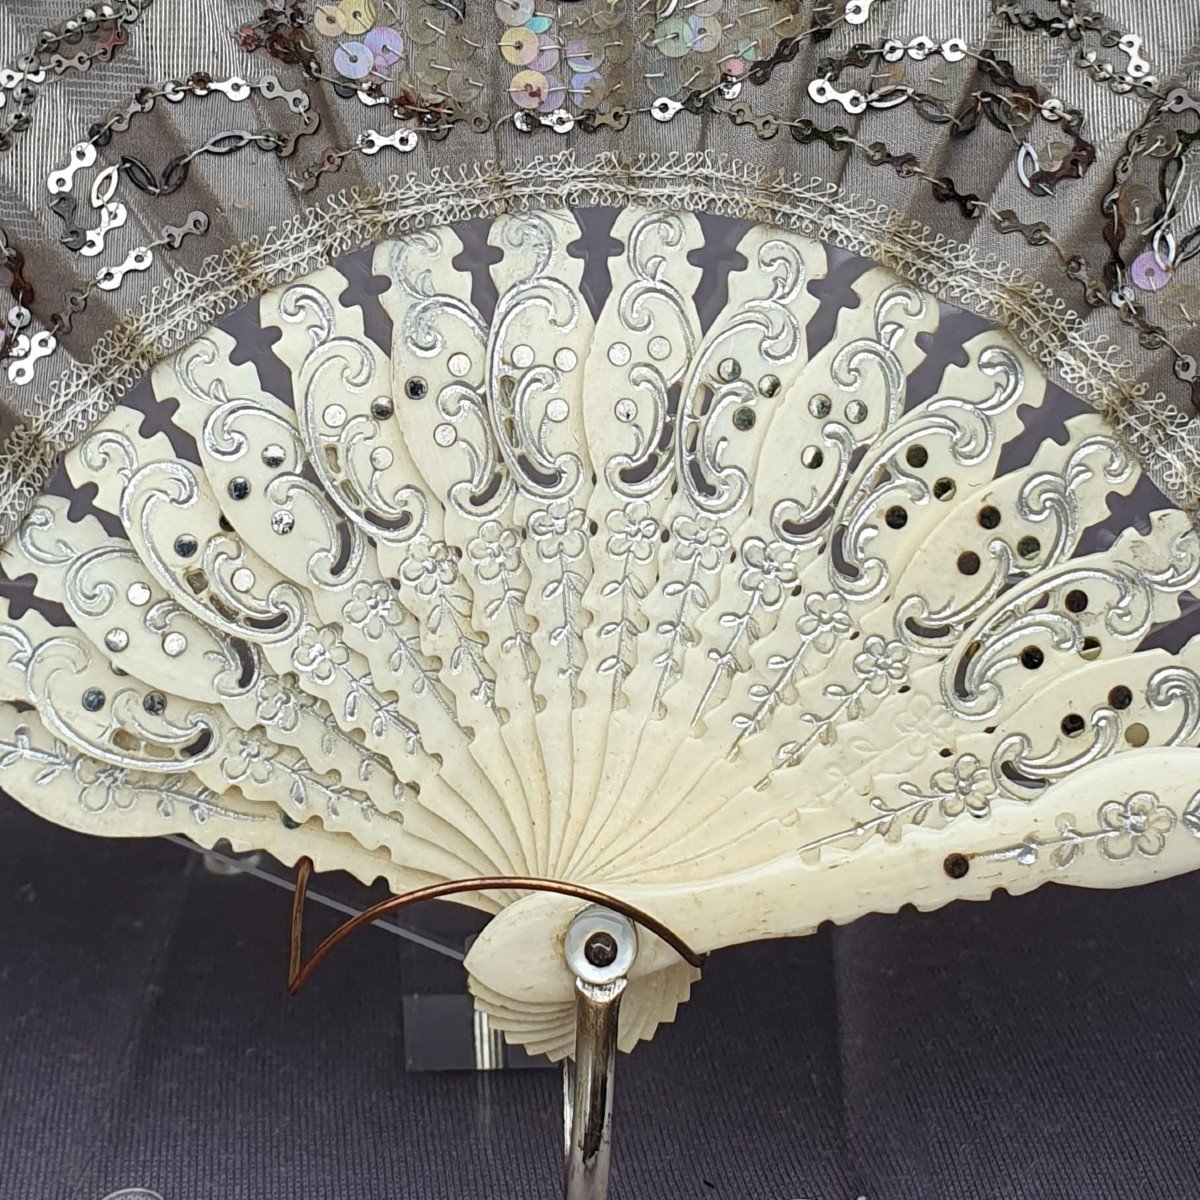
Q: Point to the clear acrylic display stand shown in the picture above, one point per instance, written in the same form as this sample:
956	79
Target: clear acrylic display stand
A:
442	1030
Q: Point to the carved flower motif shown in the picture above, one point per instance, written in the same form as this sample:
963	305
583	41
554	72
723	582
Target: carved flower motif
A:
559	531
495	550
319	653
102	786
769	568
1138	825
277	704
634	531
700	540
372	607
881	663
249	756
924	719
963	787
825	621
430	566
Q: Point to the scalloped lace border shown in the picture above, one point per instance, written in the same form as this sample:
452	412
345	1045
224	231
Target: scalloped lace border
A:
185	304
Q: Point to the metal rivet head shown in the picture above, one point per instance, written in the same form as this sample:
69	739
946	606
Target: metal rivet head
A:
416	388
728	370
382	408
239	488
956	865
93	699
116	640
601	949
282	522
186	545
1073	725
743	419
820	407
273	456
769	385
1032	658
155	703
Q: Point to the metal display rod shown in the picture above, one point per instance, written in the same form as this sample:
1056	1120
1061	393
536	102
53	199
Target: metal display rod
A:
601	947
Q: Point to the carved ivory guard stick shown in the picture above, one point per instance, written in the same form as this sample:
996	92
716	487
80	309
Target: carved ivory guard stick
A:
600	948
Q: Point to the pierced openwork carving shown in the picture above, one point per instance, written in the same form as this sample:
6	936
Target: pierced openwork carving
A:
750	630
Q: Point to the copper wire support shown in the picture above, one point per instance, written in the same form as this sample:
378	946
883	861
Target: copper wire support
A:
300	972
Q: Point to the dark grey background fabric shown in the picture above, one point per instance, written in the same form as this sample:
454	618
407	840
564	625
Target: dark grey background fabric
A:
1041	1047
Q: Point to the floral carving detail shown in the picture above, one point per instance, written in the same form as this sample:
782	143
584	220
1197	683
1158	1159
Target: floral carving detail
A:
769	570
1137	827
103	787
923	721
964	787
701	541
320	653
495	550
822	625
278	704
249	757
881	663
559	530
825	621
430	568
372	607
634	533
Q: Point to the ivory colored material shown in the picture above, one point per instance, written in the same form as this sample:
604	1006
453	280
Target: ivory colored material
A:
749	637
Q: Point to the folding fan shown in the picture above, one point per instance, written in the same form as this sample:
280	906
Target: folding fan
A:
730	460
752	614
